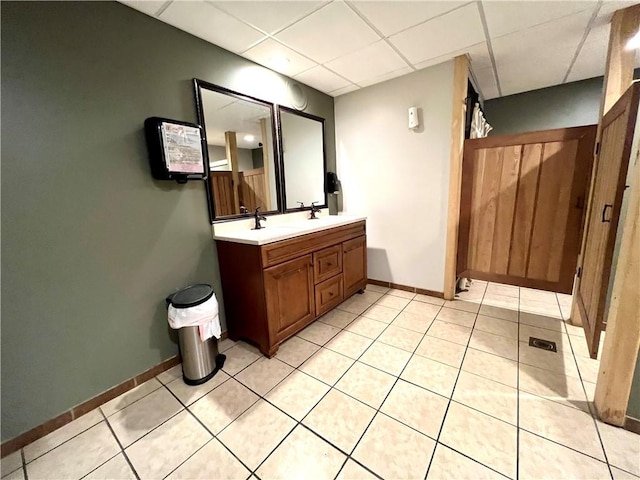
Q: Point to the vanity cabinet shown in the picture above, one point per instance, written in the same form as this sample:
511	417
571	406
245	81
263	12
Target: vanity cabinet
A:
273	291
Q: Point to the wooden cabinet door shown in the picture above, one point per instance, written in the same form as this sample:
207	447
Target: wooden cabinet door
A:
354	265
289	294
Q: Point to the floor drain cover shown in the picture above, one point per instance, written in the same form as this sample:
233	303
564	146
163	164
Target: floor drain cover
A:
543	344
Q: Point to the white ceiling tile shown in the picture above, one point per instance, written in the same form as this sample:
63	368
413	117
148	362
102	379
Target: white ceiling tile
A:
387	76
371	61
530	75
512	16
478	54
322	79
440	36
608	8
269	16
541	43
277	57
593	55
150	7
342	91
331	32
393	16
211	24
486	82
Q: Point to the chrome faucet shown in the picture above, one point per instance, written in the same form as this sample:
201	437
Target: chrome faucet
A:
314	210
257	218
301	205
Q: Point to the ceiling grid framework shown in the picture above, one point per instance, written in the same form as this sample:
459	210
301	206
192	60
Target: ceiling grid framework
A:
339	46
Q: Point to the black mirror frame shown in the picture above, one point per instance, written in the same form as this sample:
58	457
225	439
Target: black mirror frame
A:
275	131
292	111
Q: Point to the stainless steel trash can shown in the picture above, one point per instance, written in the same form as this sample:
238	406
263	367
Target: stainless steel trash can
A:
200	360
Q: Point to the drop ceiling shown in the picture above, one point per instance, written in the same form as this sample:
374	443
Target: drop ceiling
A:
341	46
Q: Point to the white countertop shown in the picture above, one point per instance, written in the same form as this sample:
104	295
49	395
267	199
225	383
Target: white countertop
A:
283	227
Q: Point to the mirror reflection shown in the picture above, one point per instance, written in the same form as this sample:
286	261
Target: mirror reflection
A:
240	145
303	158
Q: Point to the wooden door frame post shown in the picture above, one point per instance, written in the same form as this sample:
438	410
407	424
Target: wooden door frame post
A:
460	82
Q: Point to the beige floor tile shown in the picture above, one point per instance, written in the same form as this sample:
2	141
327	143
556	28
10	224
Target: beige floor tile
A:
561	339
554	361
188	394
416	407
401	338
489	397
552	386
462	305
370	296
401	293
496	326
159	453
381	313
501	289
413	321
432	375
256	433
564	299
354	471
17	475
492	367
501	301
350	344
327	366
429	299
367	327
88	450
296	350
224	345
465	430
499	312
263	375
574	329
392	301
139	418
319	333
494	344
61	435
422	309
441	351
131	396
297	394
579	346
302	455
11	463
622	447
540	321
540	308
213	461
223	405
474	296
386	358
354	305
622	475
565	311
568	426
450	332
539	455
116	468
170	375
239	357
448	464
531	294
459	317
589	369
367	384
340	419
338	318
383	449
376	288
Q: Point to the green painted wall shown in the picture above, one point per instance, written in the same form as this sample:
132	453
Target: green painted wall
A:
633	409
91	244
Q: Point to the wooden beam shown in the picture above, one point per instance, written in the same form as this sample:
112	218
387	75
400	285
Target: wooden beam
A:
460	81
231	146
622	341
265	160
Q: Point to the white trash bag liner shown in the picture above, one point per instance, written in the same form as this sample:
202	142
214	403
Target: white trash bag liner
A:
204	316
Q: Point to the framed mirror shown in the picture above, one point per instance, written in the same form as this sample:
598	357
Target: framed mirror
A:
240	135
304	161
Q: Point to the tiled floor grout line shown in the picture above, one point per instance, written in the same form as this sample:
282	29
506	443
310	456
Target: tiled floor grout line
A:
24	465
126	457
444	418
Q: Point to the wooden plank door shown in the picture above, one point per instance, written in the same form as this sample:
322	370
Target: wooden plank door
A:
252	193
521	208
618	127
222	192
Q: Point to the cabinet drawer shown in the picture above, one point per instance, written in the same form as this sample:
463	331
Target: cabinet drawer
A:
327	263
328	294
